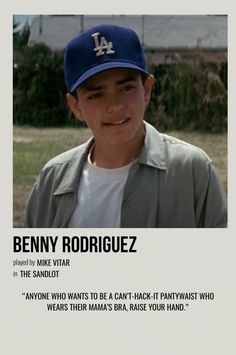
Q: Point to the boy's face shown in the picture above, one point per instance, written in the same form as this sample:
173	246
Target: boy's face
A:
112	104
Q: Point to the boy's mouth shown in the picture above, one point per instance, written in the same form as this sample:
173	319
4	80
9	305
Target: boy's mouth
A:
116	123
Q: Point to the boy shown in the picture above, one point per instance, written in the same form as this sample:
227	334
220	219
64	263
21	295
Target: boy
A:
128	174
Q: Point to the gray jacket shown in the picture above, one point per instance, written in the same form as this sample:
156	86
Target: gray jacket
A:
173	184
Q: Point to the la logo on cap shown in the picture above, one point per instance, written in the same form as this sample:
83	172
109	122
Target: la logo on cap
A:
102	46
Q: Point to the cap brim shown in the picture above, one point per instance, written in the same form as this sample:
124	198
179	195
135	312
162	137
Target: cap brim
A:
102	67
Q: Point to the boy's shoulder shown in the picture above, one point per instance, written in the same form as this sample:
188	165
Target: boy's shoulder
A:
70	155
172	150
179	149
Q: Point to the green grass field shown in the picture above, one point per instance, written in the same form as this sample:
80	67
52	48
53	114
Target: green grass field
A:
34	147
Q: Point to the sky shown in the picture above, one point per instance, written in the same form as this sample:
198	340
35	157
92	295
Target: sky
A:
22	20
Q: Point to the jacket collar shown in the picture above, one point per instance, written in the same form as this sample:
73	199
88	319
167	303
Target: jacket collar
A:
153	152
70	181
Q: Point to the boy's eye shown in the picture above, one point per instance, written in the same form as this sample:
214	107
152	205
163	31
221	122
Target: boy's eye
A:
94	96
128	88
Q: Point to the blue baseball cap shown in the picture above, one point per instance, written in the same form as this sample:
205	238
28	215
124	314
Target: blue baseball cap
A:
101	48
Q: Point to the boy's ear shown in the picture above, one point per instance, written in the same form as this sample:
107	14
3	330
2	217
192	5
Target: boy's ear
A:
148	84
74	106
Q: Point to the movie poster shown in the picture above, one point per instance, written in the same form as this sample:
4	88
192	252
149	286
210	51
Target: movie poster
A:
111	290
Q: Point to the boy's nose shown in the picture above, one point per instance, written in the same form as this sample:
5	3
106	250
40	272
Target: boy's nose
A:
115	107
114	103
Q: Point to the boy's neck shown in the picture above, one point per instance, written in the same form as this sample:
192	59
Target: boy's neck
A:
116	156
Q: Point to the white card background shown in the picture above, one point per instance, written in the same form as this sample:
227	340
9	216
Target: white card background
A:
166	260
